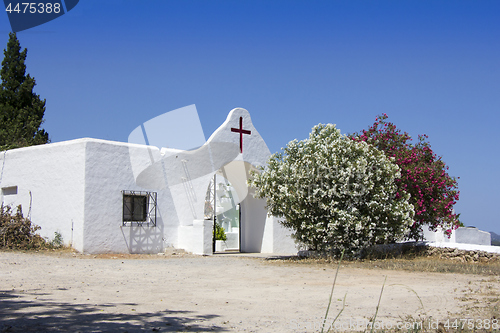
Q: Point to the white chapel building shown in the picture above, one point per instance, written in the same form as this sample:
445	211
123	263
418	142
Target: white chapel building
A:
113	197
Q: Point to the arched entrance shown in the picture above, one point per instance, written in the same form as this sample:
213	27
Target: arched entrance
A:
223	207
237	215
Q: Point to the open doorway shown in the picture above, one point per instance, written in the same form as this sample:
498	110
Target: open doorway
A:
223	207
241	215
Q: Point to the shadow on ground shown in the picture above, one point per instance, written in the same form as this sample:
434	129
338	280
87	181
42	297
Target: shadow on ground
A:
20	314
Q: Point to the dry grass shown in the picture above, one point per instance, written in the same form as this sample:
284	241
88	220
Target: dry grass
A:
430	264
414	260
414	265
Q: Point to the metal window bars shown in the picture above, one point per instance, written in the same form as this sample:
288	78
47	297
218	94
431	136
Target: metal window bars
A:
139	208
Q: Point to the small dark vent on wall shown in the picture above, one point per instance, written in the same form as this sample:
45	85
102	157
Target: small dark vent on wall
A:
10	190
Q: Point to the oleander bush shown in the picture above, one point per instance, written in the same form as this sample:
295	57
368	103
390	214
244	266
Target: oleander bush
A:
335	193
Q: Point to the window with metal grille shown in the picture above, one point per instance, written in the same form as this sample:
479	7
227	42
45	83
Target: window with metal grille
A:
139	208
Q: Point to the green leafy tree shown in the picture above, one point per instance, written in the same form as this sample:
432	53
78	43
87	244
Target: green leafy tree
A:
335	193
21	110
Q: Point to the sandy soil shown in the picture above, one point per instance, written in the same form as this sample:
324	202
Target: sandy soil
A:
80	293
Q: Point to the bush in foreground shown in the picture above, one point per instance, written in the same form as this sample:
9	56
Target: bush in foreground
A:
18	232
335	193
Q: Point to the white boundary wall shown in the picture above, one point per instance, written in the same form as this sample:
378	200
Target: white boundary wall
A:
466	238
465	235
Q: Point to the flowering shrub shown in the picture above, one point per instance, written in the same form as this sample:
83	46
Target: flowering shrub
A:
423	176
335	193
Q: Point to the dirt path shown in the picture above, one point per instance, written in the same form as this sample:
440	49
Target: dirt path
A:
220	293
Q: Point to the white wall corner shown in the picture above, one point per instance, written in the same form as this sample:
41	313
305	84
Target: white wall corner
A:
202	237
267	238
197	238
283	242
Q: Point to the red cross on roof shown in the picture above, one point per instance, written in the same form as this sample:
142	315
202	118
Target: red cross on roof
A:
241	131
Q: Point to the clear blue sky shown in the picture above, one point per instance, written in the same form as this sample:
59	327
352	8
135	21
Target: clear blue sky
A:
432	66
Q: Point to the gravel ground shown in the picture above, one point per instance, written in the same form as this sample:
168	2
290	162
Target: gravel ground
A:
223	293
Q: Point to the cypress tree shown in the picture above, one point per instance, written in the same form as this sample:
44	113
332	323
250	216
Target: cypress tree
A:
21	110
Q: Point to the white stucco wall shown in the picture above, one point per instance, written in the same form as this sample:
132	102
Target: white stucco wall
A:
76	189
54	174
437	236
282	238
107	173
